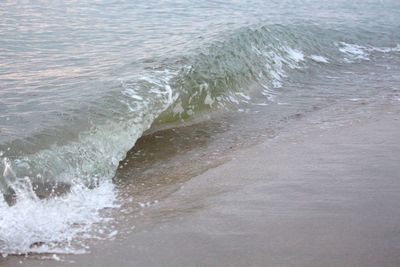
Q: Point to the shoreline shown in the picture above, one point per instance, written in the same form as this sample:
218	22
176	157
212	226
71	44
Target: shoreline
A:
316	195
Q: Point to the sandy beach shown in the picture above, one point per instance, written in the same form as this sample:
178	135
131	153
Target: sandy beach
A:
316	195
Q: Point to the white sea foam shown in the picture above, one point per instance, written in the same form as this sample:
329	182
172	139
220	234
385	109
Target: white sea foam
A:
57	224
279	61
275	68
355	52
53	225
295	54
319	59
385	49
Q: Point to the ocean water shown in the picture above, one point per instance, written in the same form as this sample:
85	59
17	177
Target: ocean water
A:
81	82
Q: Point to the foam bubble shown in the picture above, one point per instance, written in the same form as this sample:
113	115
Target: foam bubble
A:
53	225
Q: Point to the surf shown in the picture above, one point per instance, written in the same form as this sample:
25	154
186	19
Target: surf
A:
55	184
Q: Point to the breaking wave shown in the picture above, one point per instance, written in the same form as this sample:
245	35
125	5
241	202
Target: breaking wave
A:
55	184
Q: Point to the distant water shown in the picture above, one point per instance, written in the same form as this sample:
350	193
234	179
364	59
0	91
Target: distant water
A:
80	82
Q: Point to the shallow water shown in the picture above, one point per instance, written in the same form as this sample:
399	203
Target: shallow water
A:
80	83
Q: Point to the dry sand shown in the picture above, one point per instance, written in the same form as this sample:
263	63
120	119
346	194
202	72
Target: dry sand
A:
313	196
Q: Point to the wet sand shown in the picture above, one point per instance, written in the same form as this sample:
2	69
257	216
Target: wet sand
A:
317	195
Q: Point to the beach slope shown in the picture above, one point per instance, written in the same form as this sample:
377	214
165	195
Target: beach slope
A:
313	196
